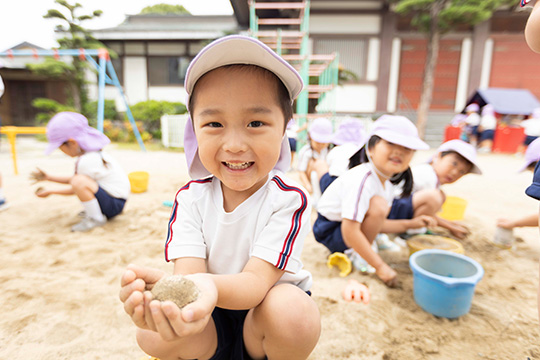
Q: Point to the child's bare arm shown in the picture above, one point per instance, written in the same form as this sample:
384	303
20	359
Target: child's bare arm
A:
40	175
399	226
456	229
529	220
248	288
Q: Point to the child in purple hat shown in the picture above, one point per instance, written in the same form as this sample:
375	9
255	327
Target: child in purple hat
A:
532	155
454	159
237	229
352	211
312	157
472	122
99	182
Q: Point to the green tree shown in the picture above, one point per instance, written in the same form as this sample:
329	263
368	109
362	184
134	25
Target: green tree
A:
435	18
165	9
77	37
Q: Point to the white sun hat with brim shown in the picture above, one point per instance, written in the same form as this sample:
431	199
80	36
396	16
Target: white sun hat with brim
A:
236	50
464	149
398	130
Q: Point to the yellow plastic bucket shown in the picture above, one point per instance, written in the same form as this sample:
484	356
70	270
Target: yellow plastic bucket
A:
453	208
422	242
138	181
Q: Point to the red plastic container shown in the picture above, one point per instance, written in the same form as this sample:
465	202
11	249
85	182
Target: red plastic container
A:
507	139
452	133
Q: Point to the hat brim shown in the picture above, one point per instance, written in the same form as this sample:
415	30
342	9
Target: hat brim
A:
236	49
52	146
322	138
402	140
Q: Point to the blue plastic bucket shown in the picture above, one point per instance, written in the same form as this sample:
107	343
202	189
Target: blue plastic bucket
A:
444	281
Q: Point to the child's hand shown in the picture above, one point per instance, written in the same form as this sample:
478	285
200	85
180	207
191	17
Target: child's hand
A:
423	221
173	323
42	193
38	175
458	230
387	275
505	223
134	282
356	291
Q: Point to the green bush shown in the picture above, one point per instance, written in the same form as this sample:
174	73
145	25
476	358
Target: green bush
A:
91	108
149	113
48	108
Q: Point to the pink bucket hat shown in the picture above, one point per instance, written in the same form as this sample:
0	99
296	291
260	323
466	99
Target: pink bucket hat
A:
532	154
349	131
70	125
398	130
464	149
229	50
488	110
320	130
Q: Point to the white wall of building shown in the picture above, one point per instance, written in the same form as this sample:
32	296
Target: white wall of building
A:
135	79
167	93
356	98
344	24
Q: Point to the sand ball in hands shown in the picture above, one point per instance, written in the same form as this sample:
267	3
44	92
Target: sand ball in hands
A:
177	289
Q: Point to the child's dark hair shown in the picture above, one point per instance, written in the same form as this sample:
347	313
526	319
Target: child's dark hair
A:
360	157
283	97
532	165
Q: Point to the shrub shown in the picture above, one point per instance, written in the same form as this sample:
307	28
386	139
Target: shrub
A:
149	113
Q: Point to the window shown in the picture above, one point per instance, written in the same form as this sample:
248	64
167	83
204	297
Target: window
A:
167	70
352	53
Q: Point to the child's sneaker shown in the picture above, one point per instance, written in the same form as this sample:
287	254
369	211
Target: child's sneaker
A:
3	205
385	244
88	224
359	263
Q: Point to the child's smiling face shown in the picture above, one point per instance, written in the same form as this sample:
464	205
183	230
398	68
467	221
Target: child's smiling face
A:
450	167
239	127
390	158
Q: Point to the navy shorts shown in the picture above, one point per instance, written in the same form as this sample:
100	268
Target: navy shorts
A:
487	135
230	332
529	139
292	144
325	181
328	233
110	206
401	209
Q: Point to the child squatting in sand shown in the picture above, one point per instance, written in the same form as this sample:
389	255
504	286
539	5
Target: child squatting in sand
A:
237	230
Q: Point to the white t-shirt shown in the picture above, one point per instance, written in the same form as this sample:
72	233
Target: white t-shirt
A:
338	158
531	126
488	122
473	119
349	195
306	153
271	225
110	177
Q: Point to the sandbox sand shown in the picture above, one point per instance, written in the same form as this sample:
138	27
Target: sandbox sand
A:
59	290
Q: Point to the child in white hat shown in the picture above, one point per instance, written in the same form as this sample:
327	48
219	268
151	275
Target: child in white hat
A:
454	159
352	211
236	230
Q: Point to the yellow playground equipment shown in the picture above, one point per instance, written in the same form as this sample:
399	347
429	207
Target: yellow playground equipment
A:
12	132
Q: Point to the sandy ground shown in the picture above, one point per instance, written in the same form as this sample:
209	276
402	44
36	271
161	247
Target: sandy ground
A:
60	289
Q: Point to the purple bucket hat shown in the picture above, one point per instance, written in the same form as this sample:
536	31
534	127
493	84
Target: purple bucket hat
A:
472	107
532	154
398	130
320	130
464	149
70	125
536	113
488	110
349	131
229	50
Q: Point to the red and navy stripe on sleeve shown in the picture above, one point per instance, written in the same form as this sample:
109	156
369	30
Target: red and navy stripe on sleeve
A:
174	213
296	223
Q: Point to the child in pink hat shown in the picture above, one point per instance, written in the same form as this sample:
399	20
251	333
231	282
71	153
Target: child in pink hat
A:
472	122
352	211
237	229
99	182
454	159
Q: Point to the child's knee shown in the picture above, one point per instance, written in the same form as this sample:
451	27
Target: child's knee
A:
82	181
378	208
299	316
433	199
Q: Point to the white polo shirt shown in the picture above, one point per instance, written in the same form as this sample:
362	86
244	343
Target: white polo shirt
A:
349	195
306	153
338	158
271	225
